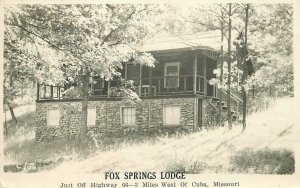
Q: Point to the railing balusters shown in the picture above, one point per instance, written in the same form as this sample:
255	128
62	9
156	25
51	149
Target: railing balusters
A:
157	89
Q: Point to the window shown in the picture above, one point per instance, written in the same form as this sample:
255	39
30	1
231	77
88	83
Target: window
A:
172	75
91	117
132	71
47	92
53	118
128	115
171	115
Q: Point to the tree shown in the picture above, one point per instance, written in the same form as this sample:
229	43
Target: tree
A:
17	69
219	119
270	42
86	40
245	70
229	69
243	59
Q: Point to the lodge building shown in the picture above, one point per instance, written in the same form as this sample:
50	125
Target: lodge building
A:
175	95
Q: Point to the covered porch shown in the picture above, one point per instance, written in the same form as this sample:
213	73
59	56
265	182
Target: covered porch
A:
178	72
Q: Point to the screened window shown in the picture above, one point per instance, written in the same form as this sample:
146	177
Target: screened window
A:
171	115
47	91
128	115
172	75
53	118
91	117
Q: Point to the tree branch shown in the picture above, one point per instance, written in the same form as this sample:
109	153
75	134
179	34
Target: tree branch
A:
114	30
132	48
47	41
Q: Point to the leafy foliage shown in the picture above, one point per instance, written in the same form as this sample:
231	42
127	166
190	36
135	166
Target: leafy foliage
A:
73	43
83	38
271	36
126	91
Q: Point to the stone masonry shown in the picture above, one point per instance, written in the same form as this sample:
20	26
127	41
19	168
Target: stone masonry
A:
149	117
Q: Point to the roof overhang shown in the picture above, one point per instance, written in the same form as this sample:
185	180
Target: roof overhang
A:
213	54
207	43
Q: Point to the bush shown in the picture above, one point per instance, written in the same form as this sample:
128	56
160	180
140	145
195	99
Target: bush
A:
187	166
264	161
191	166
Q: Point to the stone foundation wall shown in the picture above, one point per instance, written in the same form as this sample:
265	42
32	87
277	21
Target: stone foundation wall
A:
211	115
149	118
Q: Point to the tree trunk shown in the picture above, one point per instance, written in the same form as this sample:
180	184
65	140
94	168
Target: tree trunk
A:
5	125
244	94
219	120
245	72
12	113
11	109
221	75
244	107
85	97
229	70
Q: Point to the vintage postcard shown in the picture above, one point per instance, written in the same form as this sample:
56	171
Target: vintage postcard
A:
149	94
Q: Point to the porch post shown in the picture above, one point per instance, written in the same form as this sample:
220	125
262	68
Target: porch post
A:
195	73
140	81
38	91
108	88
125	71
204	75
150	80
58	92
51	92
45	90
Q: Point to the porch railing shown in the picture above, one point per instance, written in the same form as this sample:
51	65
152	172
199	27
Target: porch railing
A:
49	92
156	86
235	102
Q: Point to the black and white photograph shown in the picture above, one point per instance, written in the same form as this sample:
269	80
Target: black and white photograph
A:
149	91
